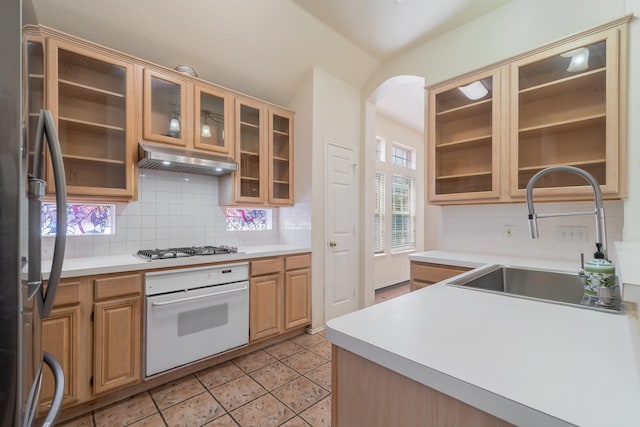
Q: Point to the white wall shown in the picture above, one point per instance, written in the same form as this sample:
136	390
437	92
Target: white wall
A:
392	268
517	27
335	119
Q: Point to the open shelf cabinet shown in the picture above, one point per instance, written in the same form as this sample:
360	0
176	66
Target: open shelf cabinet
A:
90	96
464	139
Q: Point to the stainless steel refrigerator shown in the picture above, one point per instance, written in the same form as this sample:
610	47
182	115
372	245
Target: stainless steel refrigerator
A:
23	299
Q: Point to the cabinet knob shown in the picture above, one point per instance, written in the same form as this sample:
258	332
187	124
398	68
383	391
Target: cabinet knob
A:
332	243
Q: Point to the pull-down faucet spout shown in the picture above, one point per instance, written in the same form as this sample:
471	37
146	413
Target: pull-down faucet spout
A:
601	234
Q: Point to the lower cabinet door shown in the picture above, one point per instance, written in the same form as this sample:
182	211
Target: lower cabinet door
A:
61	337
265	318
117	340
297	299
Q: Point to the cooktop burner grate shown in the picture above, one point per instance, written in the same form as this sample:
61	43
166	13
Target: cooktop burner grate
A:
168	253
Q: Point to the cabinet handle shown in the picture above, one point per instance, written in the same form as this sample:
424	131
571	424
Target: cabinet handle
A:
332	243
215	294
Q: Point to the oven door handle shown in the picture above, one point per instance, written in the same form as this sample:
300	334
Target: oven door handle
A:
215	294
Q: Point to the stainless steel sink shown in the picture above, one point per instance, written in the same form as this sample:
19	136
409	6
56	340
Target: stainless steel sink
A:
543	285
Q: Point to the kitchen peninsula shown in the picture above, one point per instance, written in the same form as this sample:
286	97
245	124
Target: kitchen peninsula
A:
441	352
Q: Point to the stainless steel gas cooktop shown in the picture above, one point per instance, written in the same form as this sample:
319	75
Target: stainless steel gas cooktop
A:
155	254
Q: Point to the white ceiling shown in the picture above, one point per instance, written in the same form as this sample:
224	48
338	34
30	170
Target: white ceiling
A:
265	48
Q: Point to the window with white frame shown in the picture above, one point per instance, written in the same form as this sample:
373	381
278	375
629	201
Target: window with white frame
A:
402	156
403	213
379	214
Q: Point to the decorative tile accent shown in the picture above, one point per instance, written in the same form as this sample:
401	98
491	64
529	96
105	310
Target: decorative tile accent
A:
304	361
267	411
274	375
283	349
126	411
176	391
248	219
238	392
321	376
196	411
82	219
319	415
300	394
253	361
219	374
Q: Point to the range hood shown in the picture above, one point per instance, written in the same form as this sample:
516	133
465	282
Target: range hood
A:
161	157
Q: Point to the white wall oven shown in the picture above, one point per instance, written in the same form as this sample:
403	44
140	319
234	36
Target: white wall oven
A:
195	313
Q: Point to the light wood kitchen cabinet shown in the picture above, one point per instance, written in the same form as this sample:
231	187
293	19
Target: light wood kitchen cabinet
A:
464	138
264	151
64	335
166	108
117	331
368	394
297	291
265	298
565	110
90	94
280	295
213	123
280	146
424	274
182	112
561	104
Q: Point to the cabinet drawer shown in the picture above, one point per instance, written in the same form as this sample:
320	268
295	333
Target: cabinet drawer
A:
266	266
116	286
68	293
295	262
433	273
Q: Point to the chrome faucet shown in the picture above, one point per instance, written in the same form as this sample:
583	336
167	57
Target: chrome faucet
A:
601	234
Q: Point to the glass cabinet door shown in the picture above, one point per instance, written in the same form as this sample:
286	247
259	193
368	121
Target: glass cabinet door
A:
280	157
212	120
565	109
464	138
250	144
90	96
165	101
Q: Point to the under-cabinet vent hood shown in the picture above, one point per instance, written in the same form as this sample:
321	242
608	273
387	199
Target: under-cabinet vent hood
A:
160	157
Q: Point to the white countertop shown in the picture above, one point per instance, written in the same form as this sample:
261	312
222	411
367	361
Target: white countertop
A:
74	267
528	362
628	254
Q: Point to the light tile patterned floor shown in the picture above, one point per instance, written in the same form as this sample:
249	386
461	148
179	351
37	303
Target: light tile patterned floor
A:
287	384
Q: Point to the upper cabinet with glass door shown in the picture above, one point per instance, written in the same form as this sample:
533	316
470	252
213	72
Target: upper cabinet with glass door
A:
90	95
280	156
212	131
464	138
565	111
165	108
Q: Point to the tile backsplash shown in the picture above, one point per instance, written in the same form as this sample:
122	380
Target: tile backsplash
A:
481	229
173	209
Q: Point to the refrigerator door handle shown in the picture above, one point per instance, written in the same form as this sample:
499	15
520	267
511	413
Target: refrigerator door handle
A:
58	376
46	128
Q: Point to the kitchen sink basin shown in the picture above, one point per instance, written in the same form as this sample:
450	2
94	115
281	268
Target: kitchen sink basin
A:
542	285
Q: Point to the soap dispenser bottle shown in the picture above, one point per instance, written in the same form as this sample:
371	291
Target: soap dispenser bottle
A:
598	272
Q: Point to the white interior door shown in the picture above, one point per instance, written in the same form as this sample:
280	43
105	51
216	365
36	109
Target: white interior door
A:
341	231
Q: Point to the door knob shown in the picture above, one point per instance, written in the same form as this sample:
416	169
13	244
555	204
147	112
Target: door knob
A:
332	243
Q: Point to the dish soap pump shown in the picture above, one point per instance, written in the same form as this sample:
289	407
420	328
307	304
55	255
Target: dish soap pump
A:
598	272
